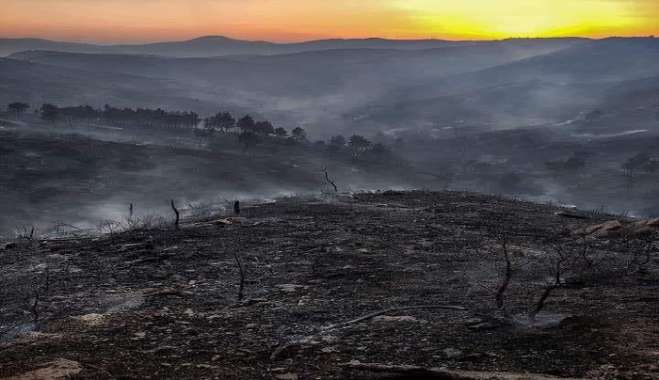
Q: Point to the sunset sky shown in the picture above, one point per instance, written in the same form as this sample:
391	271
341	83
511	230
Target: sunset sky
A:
110	21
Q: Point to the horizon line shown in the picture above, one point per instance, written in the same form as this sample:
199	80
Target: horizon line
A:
321	39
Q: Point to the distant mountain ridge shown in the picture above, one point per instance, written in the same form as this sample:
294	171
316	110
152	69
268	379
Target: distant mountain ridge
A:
488	85
209	46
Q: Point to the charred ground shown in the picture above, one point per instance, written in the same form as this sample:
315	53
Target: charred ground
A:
161	302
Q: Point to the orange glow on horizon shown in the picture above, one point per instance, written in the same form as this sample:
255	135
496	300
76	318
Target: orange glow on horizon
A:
117	21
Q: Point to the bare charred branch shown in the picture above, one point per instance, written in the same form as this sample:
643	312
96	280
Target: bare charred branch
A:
176	212
330	181
508	273
242	275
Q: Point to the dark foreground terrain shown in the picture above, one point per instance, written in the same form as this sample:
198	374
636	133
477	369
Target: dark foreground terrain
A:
156	302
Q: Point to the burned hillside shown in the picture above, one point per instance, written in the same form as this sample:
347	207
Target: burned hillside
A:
374	285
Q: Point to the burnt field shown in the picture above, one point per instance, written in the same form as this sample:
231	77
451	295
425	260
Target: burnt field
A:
459	285
52	180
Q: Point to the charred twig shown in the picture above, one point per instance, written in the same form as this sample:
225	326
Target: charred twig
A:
25	234
284	346
562	257
242	275
501	291
541	301
329	181
391	310
178	215
39	293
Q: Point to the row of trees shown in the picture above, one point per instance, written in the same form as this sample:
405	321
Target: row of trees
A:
250	132
143	117
225	122
146	117
358	146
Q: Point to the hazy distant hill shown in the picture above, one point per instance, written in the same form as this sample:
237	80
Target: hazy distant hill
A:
545	88
313	88
210	46
307	72
218	46
37	83
498	84
9	46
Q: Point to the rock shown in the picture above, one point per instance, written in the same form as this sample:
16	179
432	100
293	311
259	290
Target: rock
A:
287	376
541	321
250	301
473	321
222	222
92	320
402	318
166	292
32	336
644	227
329	338
290	288
303	301
206	366
453	353
616	228
55	370
119	303
131	247
609	228
483	326
161	350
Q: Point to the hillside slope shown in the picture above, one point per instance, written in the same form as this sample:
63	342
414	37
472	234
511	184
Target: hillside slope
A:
42	173
163	303
37	83
543	89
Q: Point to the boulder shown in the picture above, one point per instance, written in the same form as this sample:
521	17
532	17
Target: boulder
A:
605	229
644	227
55	370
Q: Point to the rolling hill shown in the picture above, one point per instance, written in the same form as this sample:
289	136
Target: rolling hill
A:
313	88
209	46
490	85
547	88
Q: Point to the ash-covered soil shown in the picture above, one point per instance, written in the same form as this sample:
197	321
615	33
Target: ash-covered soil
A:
163	303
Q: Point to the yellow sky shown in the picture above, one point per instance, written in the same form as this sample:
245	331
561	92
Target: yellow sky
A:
294	20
